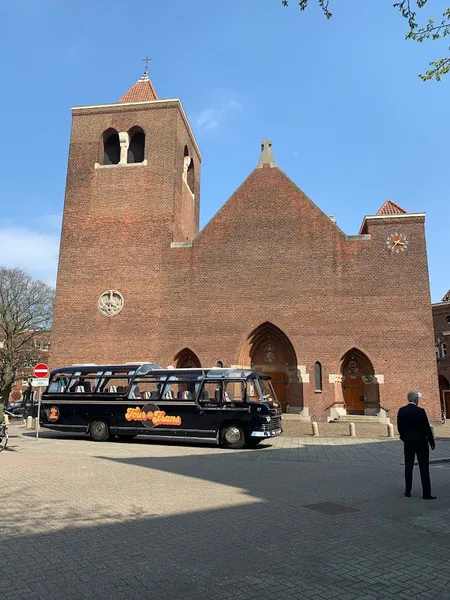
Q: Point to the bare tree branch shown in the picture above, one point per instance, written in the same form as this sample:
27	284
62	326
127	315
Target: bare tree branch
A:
26	310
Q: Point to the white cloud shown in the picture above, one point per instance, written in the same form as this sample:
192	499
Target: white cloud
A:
211	118
33	249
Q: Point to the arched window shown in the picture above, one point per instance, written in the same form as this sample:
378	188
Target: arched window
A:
318	376
111	147
188	170
136	149
186	359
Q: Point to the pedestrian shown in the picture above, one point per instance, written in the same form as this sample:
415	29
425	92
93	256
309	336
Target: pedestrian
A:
416	434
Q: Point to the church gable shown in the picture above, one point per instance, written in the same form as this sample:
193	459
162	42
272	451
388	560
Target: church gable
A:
269	206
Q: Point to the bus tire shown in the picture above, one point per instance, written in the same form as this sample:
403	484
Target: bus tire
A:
99	430
232	437
126	437
253	442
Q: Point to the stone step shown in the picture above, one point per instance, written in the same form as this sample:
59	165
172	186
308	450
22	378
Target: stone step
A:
359	419
294	417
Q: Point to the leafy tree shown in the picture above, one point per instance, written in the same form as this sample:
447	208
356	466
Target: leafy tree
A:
26	309
431	31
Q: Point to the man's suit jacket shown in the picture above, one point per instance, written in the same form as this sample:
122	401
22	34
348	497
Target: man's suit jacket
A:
413	425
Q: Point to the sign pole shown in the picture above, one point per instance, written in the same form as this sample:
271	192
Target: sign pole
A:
40	371
38	413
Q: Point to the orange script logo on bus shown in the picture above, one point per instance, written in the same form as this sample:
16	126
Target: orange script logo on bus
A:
54	414
157	417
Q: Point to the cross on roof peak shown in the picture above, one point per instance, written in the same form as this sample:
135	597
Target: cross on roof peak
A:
146	60
145	76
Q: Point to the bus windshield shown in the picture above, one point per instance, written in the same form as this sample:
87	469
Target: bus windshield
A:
267	391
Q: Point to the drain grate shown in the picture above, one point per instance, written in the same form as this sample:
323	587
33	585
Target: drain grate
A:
331	508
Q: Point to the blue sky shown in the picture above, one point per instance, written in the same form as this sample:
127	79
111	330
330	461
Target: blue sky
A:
350	121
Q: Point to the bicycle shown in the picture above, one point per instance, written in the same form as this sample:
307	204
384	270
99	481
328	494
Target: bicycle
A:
3	436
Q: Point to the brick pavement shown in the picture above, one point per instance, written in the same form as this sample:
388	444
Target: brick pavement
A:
152	520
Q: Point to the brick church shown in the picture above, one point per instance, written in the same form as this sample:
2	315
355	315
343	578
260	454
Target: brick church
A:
342	323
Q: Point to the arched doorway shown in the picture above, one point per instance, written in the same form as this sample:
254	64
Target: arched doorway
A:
186	359
444	391
359	385
271	352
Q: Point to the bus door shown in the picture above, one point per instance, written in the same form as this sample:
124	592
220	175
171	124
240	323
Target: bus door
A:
220	401
233	399
111	396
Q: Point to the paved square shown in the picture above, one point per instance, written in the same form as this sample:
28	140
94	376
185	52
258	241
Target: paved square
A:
150	520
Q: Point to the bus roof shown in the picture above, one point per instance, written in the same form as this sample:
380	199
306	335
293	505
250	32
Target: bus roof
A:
207	372
96	367
147	369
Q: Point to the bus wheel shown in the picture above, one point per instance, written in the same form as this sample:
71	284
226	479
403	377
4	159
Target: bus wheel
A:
252	442
99	431
233	437
125	437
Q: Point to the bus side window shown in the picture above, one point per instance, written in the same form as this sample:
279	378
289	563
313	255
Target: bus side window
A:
84	383
115	381
252	394
114	385
181	390
211	393
58	384
147	389
234	391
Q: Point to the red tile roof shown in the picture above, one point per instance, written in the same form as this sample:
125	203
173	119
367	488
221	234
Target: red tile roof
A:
390	208
142	91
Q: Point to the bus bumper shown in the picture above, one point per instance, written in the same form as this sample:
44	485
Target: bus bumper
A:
266	434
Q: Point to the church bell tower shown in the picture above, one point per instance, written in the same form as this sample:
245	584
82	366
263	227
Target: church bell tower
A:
133	189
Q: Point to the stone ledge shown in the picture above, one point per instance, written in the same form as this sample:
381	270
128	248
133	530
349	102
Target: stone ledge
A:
361	236
119	165
180	244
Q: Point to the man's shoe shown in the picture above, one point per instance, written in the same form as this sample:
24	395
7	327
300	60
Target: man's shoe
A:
408	494
429	497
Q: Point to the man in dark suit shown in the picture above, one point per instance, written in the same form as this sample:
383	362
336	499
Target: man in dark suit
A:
416	434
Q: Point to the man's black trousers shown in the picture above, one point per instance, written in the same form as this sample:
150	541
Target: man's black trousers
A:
421	450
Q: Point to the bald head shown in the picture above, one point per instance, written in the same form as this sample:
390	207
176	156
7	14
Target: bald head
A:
414	397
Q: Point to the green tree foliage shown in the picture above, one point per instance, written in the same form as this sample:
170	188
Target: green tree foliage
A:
432	30
26	310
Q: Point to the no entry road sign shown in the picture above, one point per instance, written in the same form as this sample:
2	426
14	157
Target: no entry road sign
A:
41	371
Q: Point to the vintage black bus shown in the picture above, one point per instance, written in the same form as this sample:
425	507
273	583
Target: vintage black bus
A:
236	407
